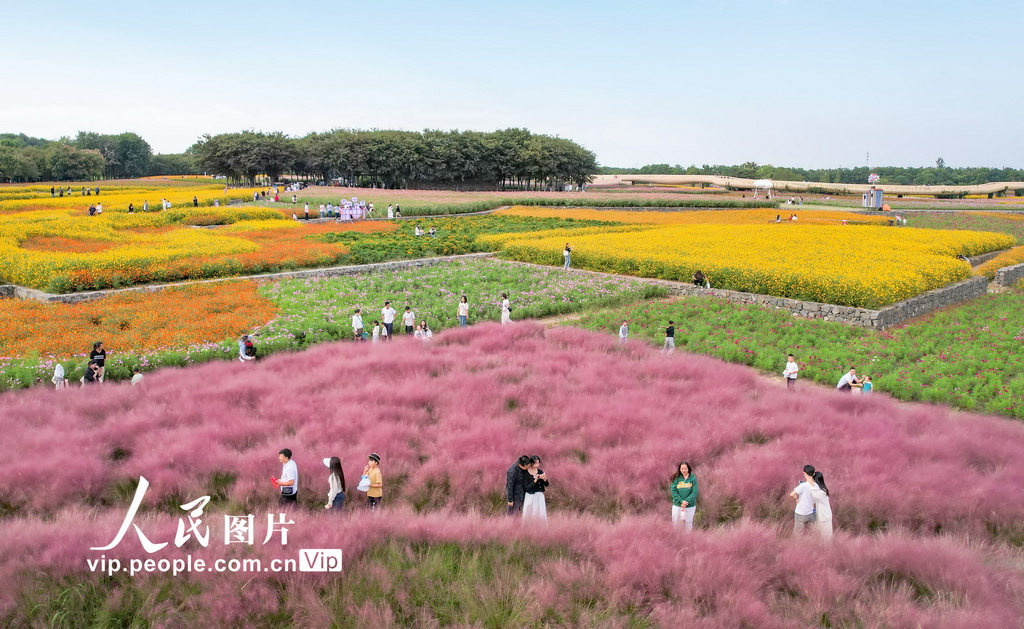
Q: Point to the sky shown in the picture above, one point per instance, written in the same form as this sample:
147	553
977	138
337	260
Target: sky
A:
809	83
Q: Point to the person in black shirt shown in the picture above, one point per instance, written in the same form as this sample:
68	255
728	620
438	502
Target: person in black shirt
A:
698	279
534	507
515	484
99	356
670	338
91	375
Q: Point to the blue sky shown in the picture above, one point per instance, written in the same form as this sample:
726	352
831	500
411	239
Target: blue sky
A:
812	83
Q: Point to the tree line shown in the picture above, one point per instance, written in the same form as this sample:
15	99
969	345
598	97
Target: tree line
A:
938	175
402	159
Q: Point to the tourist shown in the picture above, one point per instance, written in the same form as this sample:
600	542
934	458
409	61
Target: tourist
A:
388	316
255	197
391	211
216	203
92	373
99	355
97	191
506	309
92	210
131	208
849	381
99	208
305	211
294	199
136	376
463	312
409	320
670	338
289	481
375	337
423	333
376	489
790	372
803	516
59	378
515	484
246	349
417	231
699	279
566	253
623	332
145	206
866	386
336	484
357	324
822	507
398	211
52	192
683	486
195	201
433	232
323	210
534	506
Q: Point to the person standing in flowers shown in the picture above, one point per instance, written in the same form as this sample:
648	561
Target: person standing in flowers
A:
822	507
409	320
534	505
670	338
336	484
803	516
684	496
463	311
376	490
623	332
790	373
288	484
375	336
357	324
506	309
566	254
515	484
388	316
99	356
391	211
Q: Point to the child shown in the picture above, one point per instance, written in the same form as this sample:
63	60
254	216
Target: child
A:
866	387
136	376
376	332
376	491
623	332
409	320
59	379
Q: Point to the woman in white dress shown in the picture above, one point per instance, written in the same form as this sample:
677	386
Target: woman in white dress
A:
822	508
506	309
534	507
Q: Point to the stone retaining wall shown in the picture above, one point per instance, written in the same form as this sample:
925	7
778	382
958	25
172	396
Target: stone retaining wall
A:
1010	275
29	293
7	290
985	257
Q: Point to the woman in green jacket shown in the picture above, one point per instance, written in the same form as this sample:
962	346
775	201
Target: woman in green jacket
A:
684	496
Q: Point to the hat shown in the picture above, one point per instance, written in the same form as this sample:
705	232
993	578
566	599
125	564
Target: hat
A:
374	456
327	461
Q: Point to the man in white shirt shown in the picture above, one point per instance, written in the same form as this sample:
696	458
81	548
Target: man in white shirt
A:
357	324
409	320
388	318
849	381
790	373
804	515
289	481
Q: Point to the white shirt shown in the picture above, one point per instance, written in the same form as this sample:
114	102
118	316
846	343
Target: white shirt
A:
623	331
290	471
822	507
376	333
804	501
424	334
388	314
791	370
565	253
504	304
335	488
409	318
137	378
846	379
463	309
357	322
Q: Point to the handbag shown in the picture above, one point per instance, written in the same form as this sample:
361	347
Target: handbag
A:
364	483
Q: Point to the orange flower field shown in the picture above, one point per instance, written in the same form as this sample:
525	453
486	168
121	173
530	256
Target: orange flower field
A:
134	321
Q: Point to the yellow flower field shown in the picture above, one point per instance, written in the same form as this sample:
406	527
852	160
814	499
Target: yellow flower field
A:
864	266
701	217
116	199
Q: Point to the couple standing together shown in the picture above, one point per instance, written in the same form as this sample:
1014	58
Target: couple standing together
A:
524	489
812	506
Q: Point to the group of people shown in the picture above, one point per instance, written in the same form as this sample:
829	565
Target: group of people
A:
95	370
813	510
86	191
850	382
418	231
346	210
371	482
525	483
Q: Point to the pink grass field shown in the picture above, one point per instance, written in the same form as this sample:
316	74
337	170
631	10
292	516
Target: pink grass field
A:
928	503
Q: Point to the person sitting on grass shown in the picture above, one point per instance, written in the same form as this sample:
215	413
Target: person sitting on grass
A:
423	333
246	349
699	279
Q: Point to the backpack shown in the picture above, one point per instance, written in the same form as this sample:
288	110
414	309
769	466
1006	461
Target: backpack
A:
250	349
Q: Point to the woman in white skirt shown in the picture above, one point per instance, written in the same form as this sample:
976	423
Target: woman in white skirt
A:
506	309
534	507
822	508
